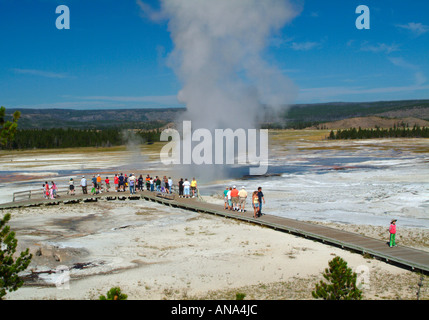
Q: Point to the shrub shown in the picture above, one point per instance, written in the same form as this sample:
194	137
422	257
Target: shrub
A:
114	294
341	283
240	296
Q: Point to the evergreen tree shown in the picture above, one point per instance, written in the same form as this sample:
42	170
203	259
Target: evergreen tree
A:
9	267
8	128
341	283
395	132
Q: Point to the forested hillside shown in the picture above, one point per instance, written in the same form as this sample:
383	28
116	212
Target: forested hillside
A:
61	128
73	138
96	119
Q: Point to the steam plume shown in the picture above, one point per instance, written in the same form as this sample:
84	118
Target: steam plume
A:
218	57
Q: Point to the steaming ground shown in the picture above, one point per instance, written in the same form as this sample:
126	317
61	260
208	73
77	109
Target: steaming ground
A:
351	182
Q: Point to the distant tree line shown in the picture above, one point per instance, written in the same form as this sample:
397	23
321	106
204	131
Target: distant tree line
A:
395	132
74	138
297	125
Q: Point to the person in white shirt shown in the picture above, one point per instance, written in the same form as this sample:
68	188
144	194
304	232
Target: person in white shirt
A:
186	188
170	183
132	183
83	185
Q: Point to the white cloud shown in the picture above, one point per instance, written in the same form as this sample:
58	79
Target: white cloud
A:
169	99
338	93
146	11
109	102
380	47
416	28
304	46
41	73
419	77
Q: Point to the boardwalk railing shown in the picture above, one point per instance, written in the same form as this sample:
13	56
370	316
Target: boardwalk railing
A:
22	195
36	194
40	193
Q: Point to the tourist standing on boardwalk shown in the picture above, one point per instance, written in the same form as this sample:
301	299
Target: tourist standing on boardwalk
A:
98	183
186	187
193	187
51	193
54	189
242	196
181	188
121	182
170	184
255	203
83	184
152	184
116	182
71	186
234	198
132	182
147	182
107	182
94	182
163	185
140	183
46	190
93	189
261	198
392	231
228	196
225	195
158	184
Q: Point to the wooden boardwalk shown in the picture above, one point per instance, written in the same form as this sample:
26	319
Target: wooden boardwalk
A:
406	257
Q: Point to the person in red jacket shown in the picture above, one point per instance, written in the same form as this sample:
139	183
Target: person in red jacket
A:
234	198
392	231
116	182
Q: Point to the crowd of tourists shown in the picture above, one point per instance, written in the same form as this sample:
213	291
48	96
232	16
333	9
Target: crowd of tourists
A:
132	184
236	200
50	192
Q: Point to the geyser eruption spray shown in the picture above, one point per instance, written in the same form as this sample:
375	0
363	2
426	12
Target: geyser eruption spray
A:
218	58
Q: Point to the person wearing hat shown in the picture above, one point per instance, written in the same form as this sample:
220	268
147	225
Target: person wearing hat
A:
392	231
83	184
71	186
234	198
242	196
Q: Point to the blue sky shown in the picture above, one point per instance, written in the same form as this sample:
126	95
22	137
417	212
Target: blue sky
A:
114	57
